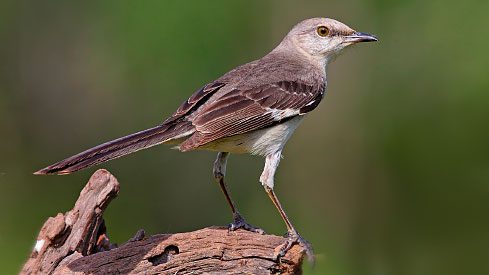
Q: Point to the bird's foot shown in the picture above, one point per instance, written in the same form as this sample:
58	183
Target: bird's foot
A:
294	238
239	222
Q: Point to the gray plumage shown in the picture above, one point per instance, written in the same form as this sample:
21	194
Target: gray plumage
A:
281	85
254	109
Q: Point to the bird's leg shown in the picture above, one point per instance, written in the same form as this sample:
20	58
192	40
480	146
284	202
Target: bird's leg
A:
267	180
219	173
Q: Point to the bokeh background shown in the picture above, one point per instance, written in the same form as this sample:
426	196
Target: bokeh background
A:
390	175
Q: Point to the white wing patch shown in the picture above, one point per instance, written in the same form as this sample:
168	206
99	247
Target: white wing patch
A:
279	115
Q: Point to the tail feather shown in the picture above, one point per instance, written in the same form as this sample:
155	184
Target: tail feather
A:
119	147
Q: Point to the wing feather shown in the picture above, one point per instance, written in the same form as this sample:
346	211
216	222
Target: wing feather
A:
195	101
241	111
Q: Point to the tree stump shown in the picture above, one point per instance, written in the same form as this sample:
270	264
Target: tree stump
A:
77	243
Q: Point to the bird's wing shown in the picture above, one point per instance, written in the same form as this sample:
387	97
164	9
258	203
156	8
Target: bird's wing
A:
195	101
242	111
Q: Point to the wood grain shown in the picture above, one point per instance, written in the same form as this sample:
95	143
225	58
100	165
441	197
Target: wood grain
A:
77	243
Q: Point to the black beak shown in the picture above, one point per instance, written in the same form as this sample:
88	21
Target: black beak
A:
361	37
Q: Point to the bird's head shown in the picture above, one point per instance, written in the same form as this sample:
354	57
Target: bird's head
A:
323	38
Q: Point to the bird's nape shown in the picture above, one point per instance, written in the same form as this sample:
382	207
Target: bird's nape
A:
254	108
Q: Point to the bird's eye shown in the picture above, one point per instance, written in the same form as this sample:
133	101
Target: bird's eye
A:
323	31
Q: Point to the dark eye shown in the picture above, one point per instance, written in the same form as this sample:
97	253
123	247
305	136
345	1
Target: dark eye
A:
322	31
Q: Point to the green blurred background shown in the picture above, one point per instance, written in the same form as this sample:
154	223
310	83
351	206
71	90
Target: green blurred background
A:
390	175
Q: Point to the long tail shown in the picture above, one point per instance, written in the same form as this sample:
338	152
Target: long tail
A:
119	147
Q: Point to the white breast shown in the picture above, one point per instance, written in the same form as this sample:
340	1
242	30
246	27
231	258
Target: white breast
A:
260	142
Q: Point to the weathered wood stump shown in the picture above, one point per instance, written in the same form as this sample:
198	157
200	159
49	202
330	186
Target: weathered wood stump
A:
77	243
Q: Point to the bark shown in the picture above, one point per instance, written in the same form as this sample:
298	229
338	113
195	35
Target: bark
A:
77	243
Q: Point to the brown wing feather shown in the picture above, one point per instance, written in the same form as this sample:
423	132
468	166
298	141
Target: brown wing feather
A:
242	111
171	128
195	101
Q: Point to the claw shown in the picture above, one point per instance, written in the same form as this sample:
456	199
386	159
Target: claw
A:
239	222
295	238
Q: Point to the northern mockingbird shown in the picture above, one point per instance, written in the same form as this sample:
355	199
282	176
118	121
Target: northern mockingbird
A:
253	109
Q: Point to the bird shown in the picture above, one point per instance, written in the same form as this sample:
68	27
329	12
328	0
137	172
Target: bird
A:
253	109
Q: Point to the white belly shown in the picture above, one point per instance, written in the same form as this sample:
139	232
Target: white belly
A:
260	142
